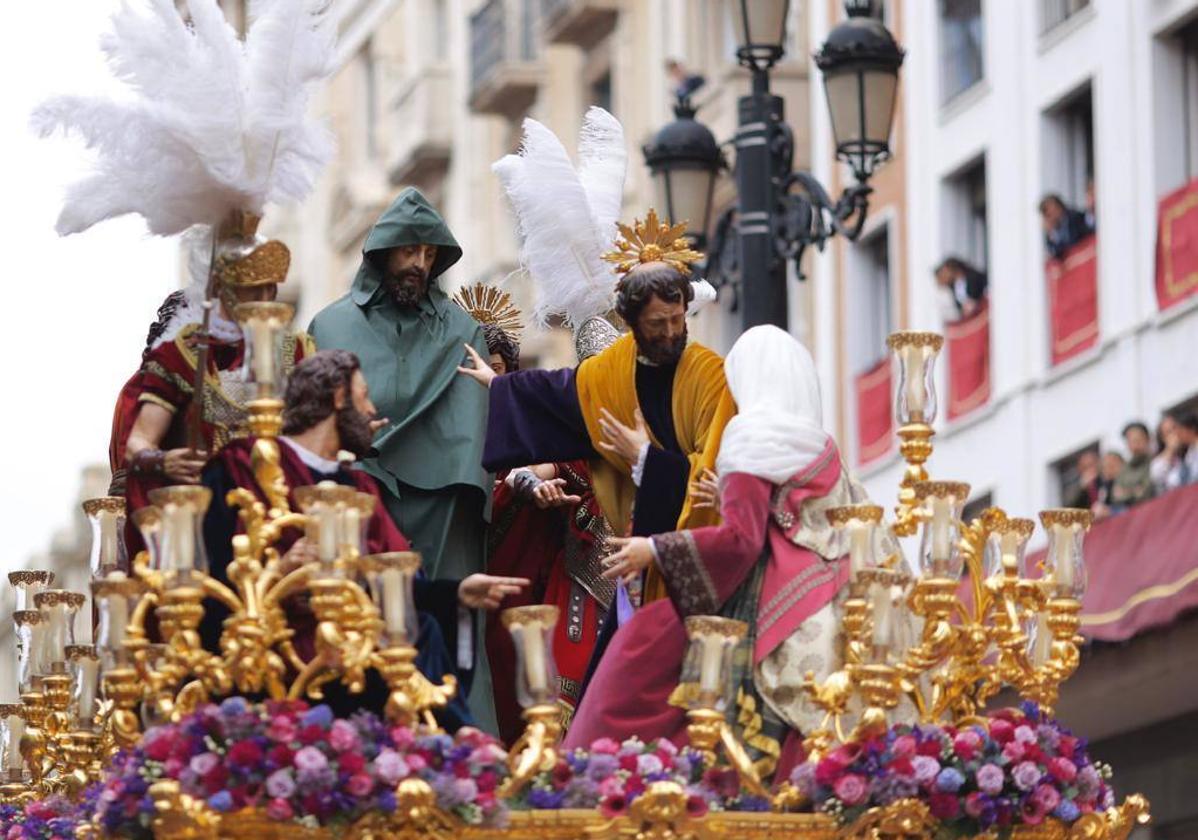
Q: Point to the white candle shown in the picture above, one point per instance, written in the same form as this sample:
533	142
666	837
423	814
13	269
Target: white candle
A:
178	539
263	343
351	522
709	665
859	534
109	552
393	606
87	675
534	656
326	523
1062	556
1008	548
883	614
13	760
38	664
55	640
913	358
113	621
942	509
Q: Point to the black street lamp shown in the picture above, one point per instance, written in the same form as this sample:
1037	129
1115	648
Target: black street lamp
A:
779	212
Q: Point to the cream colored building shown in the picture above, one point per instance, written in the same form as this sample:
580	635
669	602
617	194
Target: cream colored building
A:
430	92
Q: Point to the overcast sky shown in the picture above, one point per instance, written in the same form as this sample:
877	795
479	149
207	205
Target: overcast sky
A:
75	310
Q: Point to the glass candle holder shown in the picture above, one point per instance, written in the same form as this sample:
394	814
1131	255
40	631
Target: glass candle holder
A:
12	729
264	325
148	522
390	578
915	397
1006	548
860	522
31	648
324	505
536	672
942	501
181	548
712	642
85	682
1065	566
106	515
27	583
114	597
58	608
353	523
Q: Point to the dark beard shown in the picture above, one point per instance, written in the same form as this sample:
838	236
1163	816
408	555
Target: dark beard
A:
407	287
661	351
353	430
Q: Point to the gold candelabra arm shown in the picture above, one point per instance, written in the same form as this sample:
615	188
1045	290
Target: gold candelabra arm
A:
536	750
268	472
915	446
411	696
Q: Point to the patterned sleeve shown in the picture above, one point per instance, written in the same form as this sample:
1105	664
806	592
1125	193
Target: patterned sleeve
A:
164	378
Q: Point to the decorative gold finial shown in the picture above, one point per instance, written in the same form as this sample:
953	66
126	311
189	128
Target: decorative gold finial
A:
652	241
488	305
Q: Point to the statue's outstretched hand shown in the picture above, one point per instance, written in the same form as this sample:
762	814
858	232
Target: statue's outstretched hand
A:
479	370
486	592
624	442
551	494
633	556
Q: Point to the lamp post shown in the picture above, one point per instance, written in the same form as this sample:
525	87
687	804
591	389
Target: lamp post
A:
780	212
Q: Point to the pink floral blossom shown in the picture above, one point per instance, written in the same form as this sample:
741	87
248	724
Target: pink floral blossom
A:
850	789
311	758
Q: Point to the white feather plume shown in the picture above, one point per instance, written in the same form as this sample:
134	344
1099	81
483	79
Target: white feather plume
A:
213	125
565	221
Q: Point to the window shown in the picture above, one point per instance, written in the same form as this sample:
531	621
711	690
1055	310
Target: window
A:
964	224
1175	107
1054	12
1188	40
1069	148
961	47
1068	480
869	300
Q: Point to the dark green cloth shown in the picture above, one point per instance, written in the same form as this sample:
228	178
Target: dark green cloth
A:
433	445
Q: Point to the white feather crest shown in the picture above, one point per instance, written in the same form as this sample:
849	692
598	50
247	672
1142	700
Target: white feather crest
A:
214	125
565	218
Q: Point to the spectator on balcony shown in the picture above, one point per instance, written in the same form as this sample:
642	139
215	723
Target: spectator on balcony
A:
684	84
1177	463
1085	494
1134	484
1064	226
1091	212
1106	502
962	288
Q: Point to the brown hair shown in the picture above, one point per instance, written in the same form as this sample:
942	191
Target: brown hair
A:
503	345
647	281
312	388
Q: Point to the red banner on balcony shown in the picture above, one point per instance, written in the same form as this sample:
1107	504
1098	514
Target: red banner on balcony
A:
1073	300
1177	246
1141	567
968	351
873	412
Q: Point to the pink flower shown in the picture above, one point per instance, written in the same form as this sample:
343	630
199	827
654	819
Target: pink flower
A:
1048	797
1013	751
416	763
613	806
173	767
1025	734
390	767
1001	730
974	804
359	784
311	758
966	745
904	746
343	736
402	737
1026	775
828	770
605	746
16	832
1033	811
279	809
611	786
280	784
282	729
1062	769
850	789
666	746
990	779
926	768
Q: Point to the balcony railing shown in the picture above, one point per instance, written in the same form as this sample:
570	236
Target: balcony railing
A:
504	70
583	23
422	140
1073	300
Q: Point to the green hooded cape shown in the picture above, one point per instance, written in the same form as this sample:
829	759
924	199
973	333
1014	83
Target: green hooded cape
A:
429	457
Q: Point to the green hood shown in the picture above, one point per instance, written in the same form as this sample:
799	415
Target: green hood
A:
410	220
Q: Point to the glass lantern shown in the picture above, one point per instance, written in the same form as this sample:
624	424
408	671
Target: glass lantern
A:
390	579
536	672
114	597
148	522
915	396
85	681
354	522
181	550
1006	548
323	504
12	729
759	27
58	608
942	501
27	583
1065	566
264	325
30	633
712	643
106	515
861	522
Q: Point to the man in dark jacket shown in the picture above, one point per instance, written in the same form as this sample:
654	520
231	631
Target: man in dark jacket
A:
963	288
1064	226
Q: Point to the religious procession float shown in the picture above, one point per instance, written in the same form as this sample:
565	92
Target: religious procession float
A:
935	721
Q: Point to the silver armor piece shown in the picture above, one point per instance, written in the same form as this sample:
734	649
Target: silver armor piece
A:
594	335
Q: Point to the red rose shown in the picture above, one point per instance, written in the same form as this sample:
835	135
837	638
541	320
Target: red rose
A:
1062	769
350	762
561	774
944	806
828	771
1001	730
159	749
461	770
311	734
488	780
634	786
902	767
281	755
214	780
931	748
244	754
1032	752
628	762
1067	747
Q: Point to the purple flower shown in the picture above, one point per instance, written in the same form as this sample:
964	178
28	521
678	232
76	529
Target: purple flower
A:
990	779
222	800
803	778
600	766
1025	774
465	789
949	780
648	764
1025	735
311	758
925	768
1048	734
233	706
203	763
549	800
390	767
890	788
321	716
280	784
1067	812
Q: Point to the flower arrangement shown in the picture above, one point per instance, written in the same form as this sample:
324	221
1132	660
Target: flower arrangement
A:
611	775
1018	769
55	818
298	763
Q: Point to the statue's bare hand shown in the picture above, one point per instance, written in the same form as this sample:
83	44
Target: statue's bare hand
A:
479	370
705	491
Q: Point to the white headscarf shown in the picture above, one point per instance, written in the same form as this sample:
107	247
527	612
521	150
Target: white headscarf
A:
778	428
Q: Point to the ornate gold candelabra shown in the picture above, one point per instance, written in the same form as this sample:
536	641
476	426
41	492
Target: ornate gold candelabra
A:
536	689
